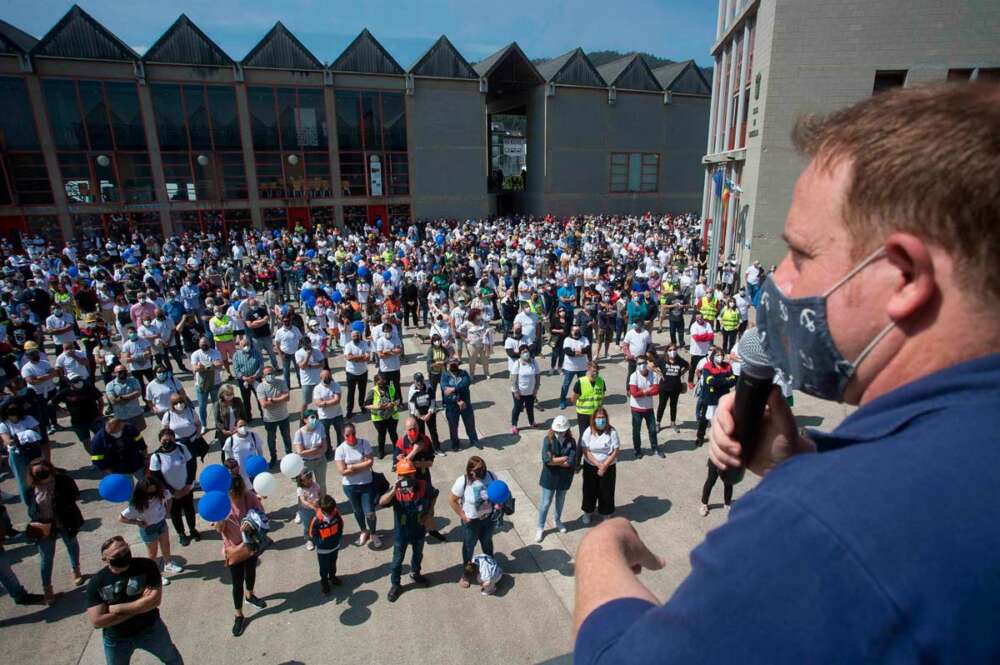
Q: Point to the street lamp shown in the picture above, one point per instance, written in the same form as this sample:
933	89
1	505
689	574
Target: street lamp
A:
293	159
103	160
203	160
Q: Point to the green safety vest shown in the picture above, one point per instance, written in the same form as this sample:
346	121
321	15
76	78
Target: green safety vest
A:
223	337
591	395
377	399
730	319
709	308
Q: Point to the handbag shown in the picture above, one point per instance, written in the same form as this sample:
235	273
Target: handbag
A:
38	530
237	555
380	484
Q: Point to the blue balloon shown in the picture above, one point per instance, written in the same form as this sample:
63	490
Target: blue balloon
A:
336	296
255	465
311	253
439	239
357	257
362	271
215	478
498	492
73	271
116	488
358	326
400	253
214	506
558	251
386	276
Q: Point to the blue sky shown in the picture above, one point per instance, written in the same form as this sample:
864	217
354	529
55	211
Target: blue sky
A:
675	29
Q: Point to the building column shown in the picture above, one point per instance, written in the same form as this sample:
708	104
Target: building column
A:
714	108
720	109
155	160
246	138
731	76
706	196
721	23
330	103
740	109
48	147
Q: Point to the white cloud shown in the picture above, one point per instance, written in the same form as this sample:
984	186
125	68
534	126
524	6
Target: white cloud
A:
140	49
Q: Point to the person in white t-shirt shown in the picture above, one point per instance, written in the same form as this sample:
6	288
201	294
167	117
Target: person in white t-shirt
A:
356	355
525	379
310	444
635	344
354	459
576	354
601	446
174	466
702	336
643	385
59	324
241	446
72	362
148	511
326	400
310	362
286	341
469	500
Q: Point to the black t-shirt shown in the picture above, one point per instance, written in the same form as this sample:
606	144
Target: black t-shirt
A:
112	589
675	313
254	314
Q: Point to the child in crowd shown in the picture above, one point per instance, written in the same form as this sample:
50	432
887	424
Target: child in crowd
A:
148	510
484	571
324	532
309	493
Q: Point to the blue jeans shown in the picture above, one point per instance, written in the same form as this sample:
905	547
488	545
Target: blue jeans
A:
306	514
338	429
8	580
266	344
543	509
204	397
637	420
477	531
468	417
19	467
399	553
155	640
568	377
362	500
287	363
47	552
272	437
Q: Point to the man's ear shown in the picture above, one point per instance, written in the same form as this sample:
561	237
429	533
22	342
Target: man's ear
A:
916	284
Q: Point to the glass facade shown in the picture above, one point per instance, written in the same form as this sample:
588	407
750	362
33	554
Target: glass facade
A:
199	135
23	178
371	138
290	142
100	141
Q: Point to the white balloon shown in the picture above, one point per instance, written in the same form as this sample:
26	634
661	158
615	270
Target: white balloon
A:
292	465
265	484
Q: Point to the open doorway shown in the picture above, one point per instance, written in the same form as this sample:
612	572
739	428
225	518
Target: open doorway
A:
508	151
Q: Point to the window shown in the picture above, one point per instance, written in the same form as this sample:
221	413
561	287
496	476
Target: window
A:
23	178
355	218
959	74
988	74
100	141
635	172
372	124
200	139
888	79
290	142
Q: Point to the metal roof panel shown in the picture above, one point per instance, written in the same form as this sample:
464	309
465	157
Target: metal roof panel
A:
366	55
185	43
79	35
280	49
443	60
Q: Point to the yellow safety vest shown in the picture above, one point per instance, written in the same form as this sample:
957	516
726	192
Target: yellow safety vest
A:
709	308
377	399
730	319
591	395
221	337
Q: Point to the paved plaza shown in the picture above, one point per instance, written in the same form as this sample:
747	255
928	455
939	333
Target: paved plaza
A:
528	621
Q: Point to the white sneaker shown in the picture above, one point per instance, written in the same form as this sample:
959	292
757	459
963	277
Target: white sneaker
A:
561	528
539	535
586	518
172	568
376	541
310	546
703	510
164	581
298	518
363	538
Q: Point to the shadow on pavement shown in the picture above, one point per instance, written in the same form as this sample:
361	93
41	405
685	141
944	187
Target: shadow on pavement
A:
678	445
809	421
531	558
644	508
68	604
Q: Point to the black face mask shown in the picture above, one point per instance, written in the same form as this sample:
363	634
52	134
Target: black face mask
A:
122	560
44	474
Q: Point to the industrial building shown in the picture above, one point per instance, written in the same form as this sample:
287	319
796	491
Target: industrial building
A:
776	60
96	139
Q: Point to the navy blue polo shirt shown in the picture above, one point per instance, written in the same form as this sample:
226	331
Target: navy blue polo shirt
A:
882	548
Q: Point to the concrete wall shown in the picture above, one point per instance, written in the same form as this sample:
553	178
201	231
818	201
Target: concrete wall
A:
818	56
582	131
448	149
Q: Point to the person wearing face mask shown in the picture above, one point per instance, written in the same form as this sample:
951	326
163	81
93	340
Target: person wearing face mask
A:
525	379
600	447
309	361
137	354
643	385
223	329
206	363
671	368
354	460
19	433
389	352
53	512
458	403
286	342
637	309
124	394
242	568
588	396
729	321
529	323
247	365
421	404
559	460
383	405
174	467
577	353
186	425
418	450
702	335
470	502
160	390
84	403
258	325
326	399
61	326
717	379
356	355
148	509
512	347
40	376
273	395
606	316
310	444
478	335
635	345
241	446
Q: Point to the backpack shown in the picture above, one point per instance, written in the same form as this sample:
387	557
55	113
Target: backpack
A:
506	509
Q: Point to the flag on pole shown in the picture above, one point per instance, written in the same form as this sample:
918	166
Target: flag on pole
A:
718	178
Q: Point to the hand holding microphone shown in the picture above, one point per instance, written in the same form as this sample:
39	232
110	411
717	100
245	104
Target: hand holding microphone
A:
753	427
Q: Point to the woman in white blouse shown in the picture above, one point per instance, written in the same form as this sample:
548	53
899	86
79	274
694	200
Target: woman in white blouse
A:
600	446
310	444
182	420
525	378
478	335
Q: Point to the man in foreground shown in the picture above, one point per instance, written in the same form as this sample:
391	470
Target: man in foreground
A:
870	543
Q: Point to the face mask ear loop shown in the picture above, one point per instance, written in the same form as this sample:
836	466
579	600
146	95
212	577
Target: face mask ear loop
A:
871	345
854	271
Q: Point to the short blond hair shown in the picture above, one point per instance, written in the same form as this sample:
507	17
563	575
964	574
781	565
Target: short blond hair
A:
926	161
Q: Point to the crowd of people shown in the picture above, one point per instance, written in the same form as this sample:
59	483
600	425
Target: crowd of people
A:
202	341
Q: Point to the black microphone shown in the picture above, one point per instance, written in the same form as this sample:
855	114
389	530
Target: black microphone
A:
753	387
